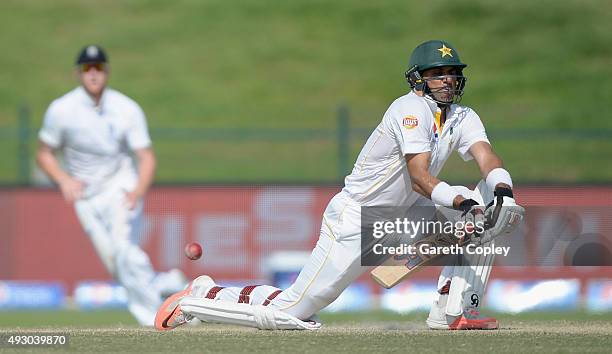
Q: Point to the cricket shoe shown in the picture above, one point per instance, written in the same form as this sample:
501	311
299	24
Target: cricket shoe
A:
170	315
473	319
470	319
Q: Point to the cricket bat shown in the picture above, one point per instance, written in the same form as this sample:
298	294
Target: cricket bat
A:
398	268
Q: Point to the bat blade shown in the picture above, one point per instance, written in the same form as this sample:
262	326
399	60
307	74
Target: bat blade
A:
397	268
390	273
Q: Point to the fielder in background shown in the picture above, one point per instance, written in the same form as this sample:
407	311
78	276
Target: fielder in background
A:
97	129
397	167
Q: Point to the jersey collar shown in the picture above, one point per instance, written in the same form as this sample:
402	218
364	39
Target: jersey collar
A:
436	111
433	106
86	99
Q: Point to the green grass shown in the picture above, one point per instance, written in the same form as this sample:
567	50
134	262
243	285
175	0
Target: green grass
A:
270	64
218	161
345	333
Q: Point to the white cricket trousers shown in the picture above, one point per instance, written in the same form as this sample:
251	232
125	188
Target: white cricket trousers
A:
333	265
112	228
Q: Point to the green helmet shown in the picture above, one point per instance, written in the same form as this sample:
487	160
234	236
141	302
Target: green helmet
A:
434	54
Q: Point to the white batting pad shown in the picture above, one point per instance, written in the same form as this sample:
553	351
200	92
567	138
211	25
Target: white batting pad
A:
468	283
258	316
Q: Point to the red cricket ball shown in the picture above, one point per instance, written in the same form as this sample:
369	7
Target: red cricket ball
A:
193	251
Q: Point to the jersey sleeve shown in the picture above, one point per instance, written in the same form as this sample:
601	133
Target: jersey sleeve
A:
410	129
472	131
51	131
138	133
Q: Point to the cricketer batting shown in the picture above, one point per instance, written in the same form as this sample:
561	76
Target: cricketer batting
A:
397	166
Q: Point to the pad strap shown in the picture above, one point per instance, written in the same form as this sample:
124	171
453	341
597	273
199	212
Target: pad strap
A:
212	293
271	297
245	293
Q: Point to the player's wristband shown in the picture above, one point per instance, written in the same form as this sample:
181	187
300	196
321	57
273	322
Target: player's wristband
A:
497	176
443	194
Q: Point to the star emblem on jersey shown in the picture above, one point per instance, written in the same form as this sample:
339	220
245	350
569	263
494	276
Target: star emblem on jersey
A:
410	122
446	51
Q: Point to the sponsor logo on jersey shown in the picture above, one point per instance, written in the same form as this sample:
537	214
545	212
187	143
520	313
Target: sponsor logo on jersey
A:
410	122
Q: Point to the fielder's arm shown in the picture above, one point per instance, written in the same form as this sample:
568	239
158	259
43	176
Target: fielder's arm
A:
71	188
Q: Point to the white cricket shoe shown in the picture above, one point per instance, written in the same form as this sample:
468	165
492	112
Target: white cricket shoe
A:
470	319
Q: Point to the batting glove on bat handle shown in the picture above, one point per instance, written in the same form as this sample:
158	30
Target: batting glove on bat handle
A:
466	205
472	213
500	194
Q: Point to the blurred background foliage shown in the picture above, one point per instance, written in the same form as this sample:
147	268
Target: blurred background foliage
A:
249	91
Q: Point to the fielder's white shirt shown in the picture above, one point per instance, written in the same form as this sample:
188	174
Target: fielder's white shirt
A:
96	141
380	175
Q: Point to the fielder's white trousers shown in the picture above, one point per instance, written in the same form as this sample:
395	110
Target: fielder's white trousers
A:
112	228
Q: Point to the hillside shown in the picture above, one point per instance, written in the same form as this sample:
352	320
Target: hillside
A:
257	65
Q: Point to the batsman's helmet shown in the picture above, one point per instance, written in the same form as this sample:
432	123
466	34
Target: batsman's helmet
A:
434	54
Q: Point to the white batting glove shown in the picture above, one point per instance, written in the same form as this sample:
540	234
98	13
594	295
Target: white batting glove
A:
502	215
